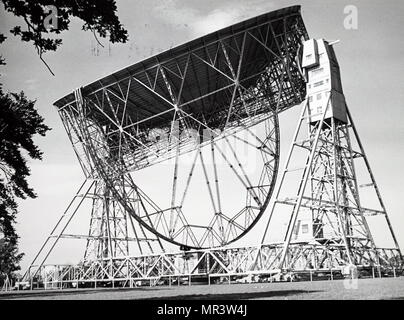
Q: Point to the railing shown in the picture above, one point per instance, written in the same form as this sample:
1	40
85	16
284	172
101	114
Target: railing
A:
203	265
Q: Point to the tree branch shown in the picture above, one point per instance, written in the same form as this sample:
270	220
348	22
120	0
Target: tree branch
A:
50	70
95	36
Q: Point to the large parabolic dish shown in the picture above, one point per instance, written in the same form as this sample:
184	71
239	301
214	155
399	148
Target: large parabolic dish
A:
188	140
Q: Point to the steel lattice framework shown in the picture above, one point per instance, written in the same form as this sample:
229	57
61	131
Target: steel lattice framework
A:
186	100
201	101
328	192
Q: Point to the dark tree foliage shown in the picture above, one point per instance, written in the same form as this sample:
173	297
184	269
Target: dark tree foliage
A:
9	259
19	123
99	16
19	119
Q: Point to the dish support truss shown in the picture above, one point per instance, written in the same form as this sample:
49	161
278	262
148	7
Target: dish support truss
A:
107	257
328	195
253	75
210	266
248	78
351	243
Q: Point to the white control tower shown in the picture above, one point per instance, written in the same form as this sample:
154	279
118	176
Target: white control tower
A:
326	210
323	81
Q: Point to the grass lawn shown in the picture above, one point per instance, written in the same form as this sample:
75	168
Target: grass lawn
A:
384	288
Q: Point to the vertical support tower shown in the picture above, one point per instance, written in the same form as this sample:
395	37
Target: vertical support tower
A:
328	226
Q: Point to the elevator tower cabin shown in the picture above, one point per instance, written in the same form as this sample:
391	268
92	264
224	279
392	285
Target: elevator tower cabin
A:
323	81
324	88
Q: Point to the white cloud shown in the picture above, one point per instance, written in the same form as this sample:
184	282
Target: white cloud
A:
225	14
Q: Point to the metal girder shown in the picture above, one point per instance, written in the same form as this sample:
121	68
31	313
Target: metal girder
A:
99	122
242	77
166	87
303	258
327	195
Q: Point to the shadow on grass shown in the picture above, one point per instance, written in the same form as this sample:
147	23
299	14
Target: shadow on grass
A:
58	292
213	296
235	296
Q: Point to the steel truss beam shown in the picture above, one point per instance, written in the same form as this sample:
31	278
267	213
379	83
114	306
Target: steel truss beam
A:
328	192
117	129
113	132
111	230
111	143
208	264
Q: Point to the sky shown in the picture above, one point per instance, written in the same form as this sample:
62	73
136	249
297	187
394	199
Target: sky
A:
370	59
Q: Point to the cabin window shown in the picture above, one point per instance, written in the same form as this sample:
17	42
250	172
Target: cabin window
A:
318	71
317	84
